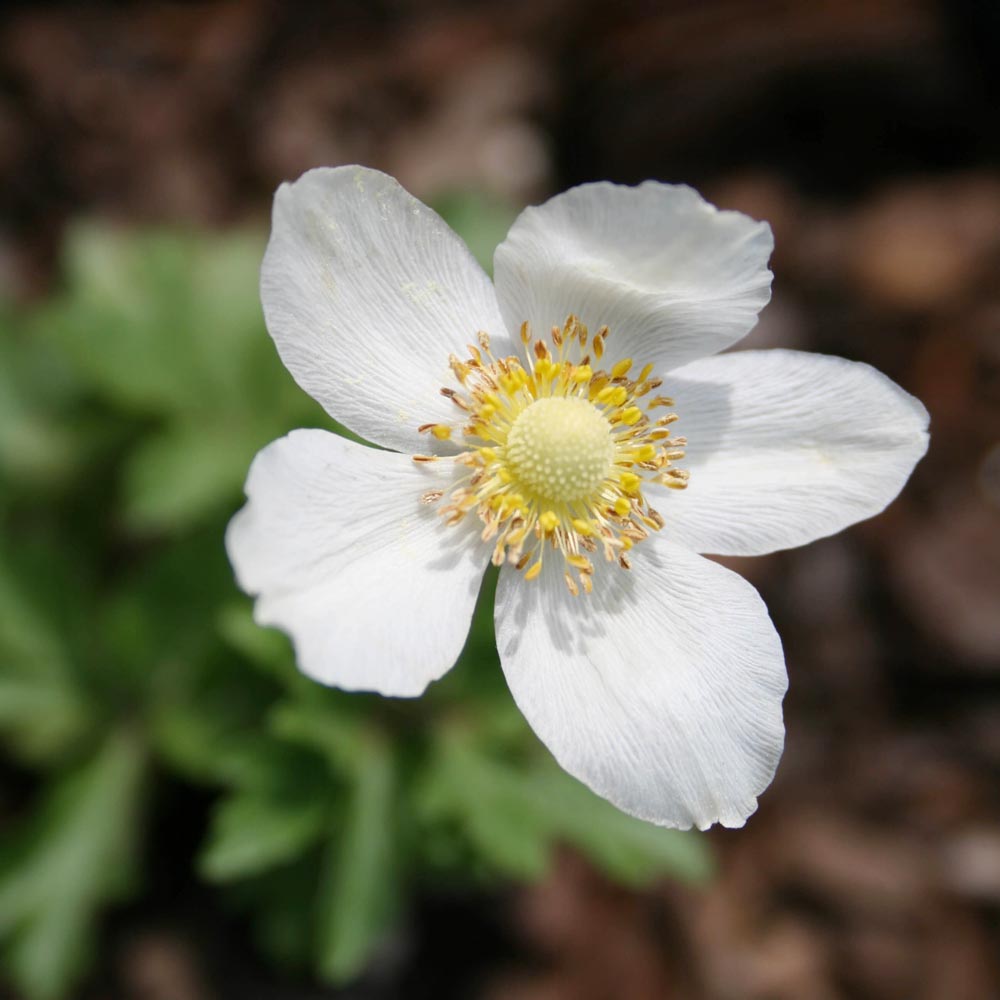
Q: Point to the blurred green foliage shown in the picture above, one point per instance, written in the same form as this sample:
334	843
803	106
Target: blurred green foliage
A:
131	404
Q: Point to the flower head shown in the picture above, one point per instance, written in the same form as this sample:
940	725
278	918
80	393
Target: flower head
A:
534	424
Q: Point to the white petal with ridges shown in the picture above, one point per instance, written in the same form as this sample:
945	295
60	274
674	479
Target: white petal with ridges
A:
786	447
672	276
366	292
375	590
661	690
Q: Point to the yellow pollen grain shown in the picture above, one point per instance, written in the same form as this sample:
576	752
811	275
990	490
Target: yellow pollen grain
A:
630	482
621	368
549	520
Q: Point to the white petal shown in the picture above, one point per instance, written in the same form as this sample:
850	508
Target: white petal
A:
661	690
366	292
786	447
375	590
672	276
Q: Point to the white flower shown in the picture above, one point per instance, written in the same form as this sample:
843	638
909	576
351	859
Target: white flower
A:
656	676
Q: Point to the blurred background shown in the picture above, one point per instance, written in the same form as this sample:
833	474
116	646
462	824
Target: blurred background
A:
182	817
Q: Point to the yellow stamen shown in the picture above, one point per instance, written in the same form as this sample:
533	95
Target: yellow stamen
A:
549	520
630	482
557	454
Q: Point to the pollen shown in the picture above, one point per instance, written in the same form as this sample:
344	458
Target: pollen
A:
558	453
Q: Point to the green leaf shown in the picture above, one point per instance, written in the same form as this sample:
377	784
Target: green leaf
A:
118	324
208	747
360	885
39	714
40	444
264	647
629	850
513	815
498	808
168	325
358	891
75	857
283	901
324	727
252	832
175	478
43	710
161	322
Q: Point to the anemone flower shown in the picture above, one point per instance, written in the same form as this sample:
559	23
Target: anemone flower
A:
532	422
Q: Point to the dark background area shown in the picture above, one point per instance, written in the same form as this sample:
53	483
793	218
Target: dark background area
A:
867	133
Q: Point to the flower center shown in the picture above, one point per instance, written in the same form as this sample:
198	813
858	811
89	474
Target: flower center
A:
560	449
557	454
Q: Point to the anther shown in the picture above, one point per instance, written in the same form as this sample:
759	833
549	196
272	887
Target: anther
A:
549	521
456	399
558	454
630	482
